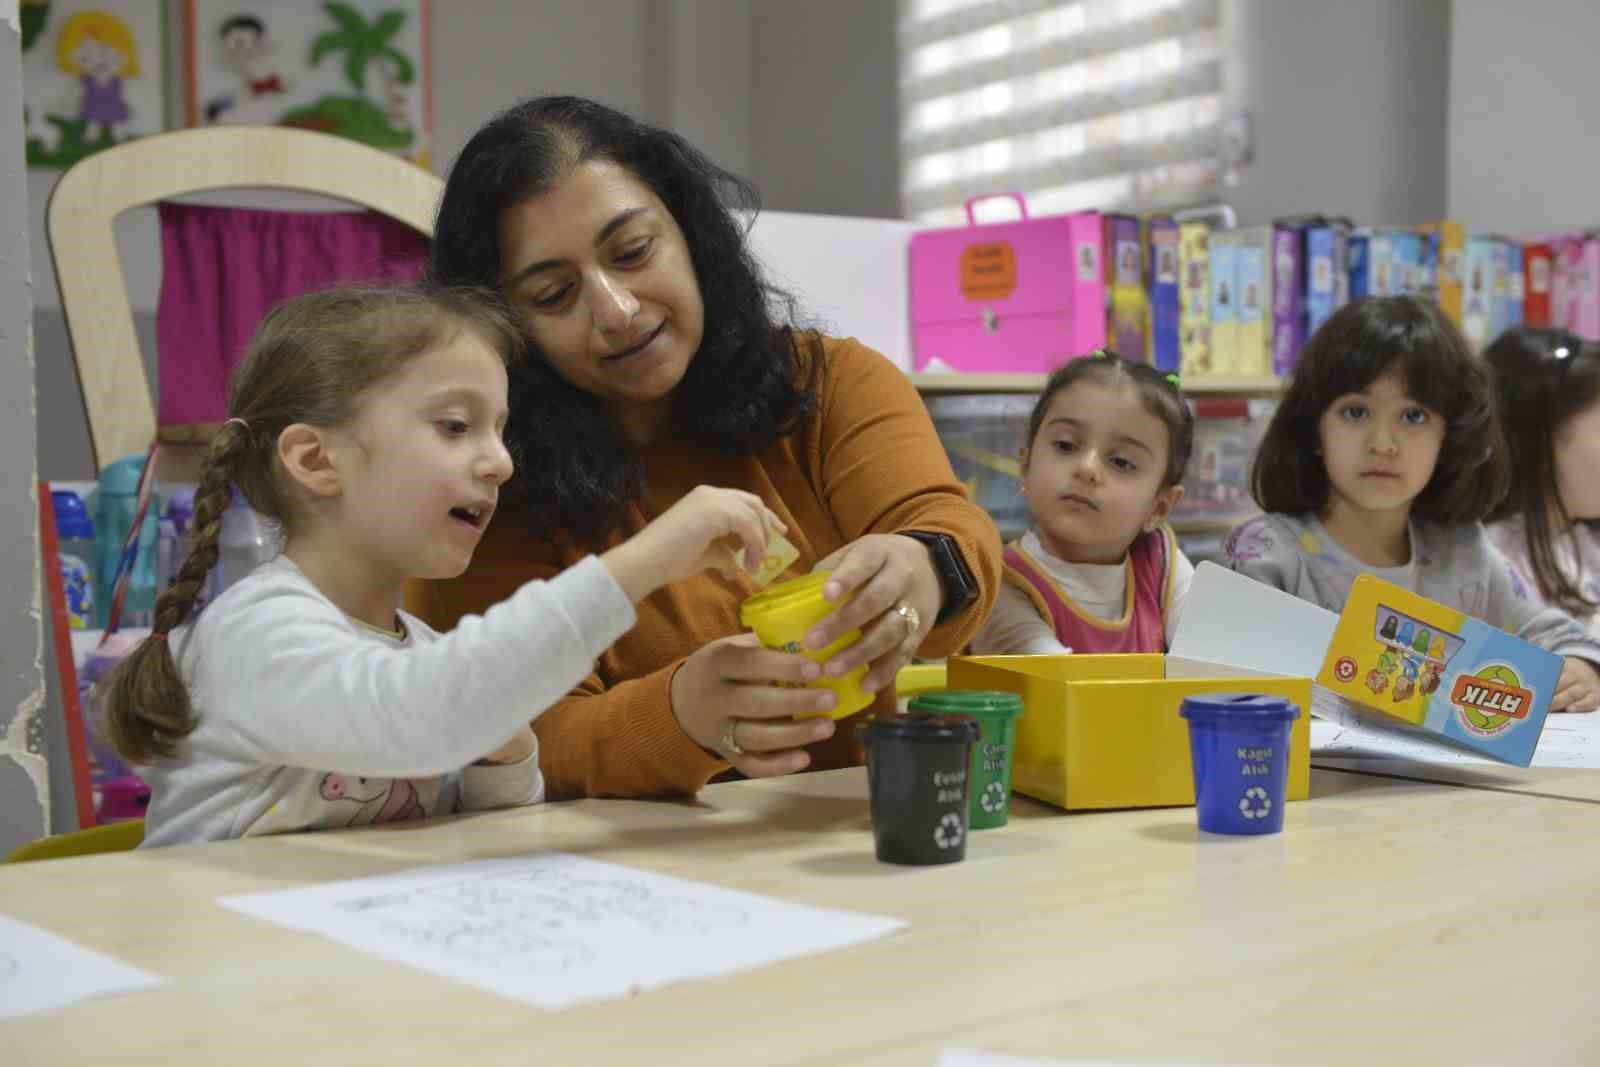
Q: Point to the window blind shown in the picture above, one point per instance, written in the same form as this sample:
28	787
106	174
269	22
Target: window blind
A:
1110	104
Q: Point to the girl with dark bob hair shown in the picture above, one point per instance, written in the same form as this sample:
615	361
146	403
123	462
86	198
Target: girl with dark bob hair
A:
658	357
1383	458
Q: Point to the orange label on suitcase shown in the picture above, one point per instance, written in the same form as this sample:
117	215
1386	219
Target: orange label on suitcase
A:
988	271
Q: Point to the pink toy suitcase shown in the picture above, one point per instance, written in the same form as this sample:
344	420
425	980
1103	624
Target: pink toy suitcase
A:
1012	297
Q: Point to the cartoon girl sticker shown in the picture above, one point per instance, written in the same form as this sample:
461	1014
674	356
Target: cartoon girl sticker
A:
98	47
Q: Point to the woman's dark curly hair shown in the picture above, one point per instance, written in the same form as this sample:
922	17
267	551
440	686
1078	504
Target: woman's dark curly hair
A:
746	387
1355	347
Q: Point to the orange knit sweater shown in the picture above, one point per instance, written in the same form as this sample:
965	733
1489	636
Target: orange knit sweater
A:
867	461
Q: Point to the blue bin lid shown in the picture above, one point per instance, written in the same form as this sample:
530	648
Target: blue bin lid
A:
72	518
1244	708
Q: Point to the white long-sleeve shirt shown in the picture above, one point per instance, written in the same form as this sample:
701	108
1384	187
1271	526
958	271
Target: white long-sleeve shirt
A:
1016	627
309	719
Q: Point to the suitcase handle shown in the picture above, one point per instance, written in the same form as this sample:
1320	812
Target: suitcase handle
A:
1022	205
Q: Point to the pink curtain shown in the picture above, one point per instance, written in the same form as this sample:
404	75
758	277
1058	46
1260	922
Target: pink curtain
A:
223	268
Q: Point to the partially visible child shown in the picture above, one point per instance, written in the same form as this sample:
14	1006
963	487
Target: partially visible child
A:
1100	571
1383	458
368	422
1548	386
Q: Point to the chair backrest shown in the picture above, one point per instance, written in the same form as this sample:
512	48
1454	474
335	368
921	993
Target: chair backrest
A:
112	837
87	199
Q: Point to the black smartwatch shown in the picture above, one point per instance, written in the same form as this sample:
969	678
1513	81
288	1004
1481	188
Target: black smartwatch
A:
959	587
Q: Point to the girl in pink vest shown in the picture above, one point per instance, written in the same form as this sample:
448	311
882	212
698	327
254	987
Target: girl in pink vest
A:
1100	571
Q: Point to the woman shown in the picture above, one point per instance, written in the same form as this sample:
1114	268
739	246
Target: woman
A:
658	361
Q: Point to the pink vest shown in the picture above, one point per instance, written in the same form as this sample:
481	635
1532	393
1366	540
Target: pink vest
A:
1142	627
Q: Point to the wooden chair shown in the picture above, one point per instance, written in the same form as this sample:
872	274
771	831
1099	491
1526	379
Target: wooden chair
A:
117	399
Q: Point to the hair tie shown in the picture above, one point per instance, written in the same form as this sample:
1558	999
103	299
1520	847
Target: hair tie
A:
240	421
1172	380
158	636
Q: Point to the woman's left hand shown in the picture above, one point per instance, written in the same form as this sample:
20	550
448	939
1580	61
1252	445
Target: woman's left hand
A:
1579	687
887	572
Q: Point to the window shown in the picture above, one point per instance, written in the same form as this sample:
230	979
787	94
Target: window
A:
1110	104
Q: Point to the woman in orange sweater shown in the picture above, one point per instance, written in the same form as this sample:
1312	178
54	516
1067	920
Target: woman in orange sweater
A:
660	359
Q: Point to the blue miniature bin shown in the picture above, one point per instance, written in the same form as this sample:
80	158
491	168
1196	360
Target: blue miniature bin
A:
1239	745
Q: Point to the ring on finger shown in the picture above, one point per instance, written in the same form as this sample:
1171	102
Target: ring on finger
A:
913	618
729	742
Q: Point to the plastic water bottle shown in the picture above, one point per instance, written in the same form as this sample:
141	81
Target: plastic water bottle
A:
245	542
116	503
179	518
75	530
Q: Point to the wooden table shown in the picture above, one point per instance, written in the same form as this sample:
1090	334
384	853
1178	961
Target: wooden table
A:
1392	922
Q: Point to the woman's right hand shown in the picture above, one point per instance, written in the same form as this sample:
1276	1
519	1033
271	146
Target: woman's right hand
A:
725	701
704	530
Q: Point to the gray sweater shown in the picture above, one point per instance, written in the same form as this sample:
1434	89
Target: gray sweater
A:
1457	566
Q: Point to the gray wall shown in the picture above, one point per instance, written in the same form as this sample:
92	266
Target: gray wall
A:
1523	151
825	107
23	777
1349	99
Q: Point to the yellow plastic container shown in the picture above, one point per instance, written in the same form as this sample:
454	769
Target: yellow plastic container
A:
780	616
1104	731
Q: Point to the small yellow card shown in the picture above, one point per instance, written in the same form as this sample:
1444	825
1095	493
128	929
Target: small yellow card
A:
780	553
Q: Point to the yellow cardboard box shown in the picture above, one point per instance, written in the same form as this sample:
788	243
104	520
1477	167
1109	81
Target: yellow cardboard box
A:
1104	731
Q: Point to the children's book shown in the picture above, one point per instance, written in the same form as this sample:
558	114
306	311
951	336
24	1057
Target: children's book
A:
1516	292
1225	352
1536	273
1130	306
1326	249
1288	296
1194	319
1477	313
1405	249
1161	268
1255	302
1447	241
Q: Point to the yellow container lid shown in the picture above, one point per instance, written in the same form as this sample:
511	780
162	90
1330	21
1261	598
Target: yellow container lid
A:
784	595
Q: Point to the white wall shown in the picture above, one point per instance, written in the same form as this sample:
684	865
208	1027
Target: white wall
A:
488	54
1349	99
1524	155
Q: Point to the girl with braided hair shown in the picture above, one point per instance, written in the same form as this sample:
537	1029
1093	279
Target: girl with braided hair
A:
368	422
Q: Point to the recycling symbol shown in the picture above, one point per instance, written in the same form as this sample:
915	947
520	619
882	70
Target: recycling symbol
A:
1255	804
993	798
949	832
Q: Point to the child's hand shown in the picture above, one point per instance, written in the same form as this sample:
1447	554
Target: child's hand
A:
520	747
1579	687
706	529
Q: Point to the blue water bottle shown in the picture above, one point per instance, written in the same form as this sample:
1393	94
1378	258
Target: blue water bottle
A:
116	504
75	532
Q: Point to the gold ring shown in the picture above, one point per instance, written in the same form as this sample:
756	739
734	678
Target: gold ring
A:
912	618
728	742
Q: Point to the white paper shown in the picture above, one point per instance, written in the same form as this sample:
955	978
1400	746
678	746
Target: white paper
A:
1231	619
40	971
557	929
1568	740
